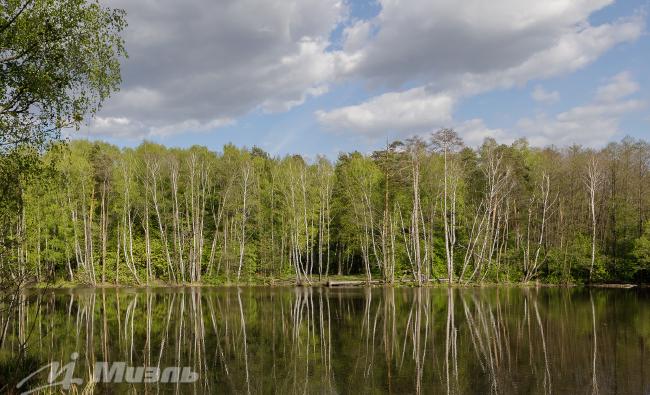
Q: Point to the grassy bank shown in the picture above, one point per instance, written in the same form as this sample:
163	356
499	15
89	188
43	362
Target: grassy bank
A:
329	281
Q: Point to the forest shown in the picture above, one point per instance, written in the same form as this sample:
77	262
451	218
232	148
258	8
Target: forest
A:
420	211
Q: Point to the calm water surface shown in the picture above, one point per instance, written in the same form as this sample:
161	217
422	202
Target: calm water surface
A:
318	340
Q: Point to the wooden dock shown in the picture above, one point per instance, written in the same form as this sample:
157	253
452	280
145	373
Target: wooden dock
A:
351	283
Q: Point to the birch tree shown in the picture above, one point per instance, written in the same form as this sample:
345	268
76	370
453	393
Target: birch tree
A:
447	141
593	180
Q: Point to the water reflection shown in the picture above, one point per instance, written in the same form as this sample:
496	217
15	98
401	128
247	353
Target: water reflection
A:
319	340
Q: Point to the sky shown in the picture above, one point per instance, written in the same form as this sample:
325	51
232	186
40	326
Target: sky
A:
328	76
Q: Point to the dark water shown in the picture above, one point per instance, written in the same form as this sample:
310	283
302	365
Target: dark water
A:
284	340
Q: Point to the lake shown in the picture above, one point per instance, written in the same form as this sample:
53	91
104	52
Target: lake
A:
348	340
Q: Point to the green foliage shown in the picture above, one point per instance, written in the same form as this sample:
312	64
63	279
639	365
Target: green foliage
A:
60	61
642	251
178	215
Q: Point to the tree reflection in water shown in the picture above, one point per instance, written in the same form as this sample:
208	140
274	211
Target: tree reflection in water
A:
320	340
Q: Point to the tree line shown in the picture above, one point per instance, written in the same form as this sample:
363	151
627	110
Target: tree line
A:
419	210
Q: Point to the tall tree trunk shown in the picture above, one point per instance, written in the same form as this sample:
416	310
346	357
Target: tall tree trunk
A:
593	181
242	241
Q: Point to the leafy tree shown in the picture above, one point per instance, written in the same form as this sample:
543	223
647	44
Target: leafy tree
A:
59	61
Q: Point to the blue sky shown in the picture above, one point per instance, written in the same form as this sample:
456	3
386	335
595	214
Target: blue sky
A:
324	77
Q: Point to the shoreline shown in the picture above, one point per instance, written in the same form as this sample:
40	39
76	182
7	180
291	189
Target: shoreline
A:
331	282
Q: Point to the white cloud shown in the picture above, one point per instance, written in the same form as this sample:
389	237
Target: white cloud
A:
539	94
126	128
198	63
571	51
412	111
474	132
459	49
621	85
591	124
495	43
